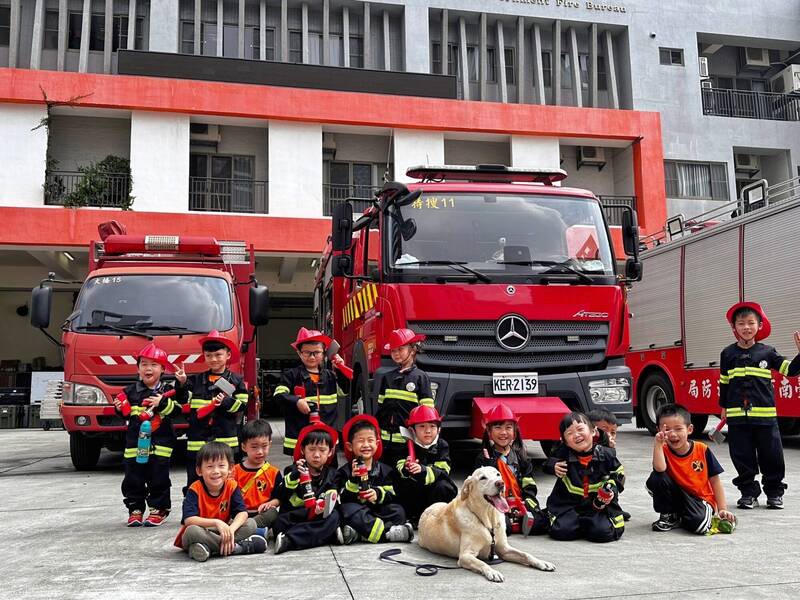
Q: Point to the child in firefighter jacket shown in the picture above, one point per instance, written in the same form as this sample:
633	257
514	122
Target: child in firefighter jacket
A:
503	449
147	483
747	399
308	517
399	391
309	392
584	502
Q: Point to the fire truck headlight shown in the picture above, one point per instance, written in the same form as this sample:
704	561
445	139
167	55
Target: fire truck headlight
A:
78	393
609	391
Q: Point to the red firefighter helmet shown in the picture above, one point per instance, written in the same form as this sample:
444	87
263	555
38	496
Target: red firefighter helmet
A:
423	414
348	454
500	412
298	449
156	354
305	336
766	326
403	337
215	336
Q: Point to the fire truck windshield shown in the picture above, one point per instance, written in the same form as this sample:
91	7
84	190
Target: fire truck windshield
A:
504	234
153	304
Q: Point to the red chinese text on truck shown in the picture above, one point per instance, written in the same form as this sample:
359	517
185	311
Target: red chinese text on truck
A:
169	289
512	279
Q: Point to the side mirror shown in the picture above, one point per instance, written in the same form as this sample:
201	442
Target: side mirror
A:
408	198
634	269
408	229
259	305
342	227
41	303
342	265
630	233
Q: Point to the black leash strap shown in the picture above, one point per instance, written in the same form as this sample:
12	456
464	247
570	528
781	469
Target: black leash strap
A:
421	569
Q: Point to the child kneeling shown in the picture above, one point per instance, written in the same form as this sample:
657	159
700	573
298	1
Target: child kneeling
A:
215	520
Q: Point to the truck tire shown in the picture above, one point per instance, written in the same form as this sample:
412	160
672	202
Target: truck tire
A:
789	425
654	392
84	451
547	446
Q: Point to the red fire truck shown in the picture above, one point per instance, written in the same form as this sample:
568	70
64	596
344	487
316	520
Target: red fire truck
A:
678	327
170	289
511	278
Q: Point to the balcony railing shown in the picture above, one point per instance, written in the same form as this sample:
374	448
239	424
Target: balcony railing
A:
228	195
750	105
615	214
73	188
360	196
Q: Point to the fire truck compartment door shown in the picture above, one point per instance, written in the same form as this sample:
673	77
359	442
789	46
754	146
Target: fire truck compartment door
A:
538	416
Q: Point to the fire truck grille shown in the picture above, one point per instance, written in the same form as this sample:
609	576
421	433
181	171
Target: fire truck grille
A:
473	344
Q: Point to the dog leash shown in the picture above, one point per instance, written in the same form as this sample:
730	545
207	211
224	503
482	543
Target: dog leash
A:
421	569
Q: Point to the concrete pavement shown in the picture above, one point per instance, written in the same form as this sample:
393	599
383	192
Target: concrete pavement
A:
63	537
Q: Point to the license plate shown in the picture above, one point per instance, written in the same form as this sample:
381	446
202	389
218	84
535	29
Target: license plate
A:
515	383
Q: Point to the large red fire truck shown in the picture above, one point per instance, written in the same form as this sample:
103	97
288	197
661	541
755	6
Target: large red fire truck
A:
678	327
511	278
170	289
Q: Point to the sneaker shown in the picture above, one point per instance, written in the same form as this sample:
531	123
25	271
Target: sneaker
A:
528	523
747	502
400	533
667	522
135	518
199	552
156	517
255	544
346	535
626	516
281	543
775	503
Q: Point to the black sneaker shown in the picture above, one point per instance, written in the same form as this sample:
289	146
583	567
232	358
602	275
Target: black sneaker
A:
255	544
667	522
346	535
775	503
626	516
747	502
281	543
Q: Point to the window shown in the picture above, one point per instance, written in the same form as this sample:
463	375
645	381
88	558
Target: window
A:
75	31
670	56
547	69
315	48
602	82
454	62
491	65
566	71
121	33
270	54
357	51
510	65
295	46
208	38
51	30
97	32
704	181
436	58
5	25
336	49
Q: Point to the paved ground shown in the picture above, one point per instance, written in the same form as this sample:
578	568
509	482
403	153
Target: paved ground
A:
62	536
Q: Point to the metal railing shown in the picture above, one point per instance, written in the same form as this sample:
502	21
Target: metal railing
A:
750	105
72	188
614	215
360	196
214	194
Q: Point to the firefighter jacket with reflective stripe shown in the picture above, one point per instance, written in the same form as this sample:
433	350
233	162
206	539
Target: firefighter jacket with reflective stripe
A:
398	393
162	440
381	479
221	424
257	485
522	468
325	393
746	391
578	488
435	463
290	492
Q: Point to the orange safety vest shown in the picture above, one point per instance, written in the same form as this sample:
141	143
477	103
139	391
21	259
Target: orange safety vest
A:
256	486
690	472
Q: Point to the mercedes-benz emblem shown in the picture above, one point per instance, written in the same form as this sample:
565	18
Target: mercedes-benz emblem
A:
511	290
512	332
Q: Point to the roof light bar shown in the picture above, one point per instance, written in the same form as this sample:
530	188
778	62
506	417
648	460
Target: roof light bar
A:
486	173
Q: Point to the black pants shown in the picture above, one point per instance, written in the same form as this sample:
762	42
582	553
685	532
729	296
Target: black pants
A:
593	525
372	521
754	448
668	497
146	484
303	533
416	497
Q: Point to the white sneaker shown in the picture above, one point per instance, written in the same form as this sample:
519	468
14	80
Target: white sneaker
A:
400	533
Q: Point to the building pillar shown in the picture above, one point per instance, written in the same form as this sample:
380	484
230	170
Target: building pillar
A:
24	160
165	24
462	53
132	26
304	28
482	59
83	57
284	30
538	67
535	152
63	15
13	34
593	65
367	37
160	161
346	35
446	42
38	34
555	63
262	30
220	28
520	60
611	70
417	39
387	47
108	39
501	62
241	29
295	169
326	32
576	67
414	147
198	23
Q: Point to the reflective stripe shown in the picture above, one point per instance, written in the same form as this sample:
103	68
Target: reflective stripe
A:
239	400
385	489
231	441
784	370
573	489
443	465
164	451
401	464
749	372
764	412
351	487
620	470
195	445
532	503
377	532
290	482
289	442
393	437
724	379
429	476
426	402
281	389
295	500
198	403
618	522
137	410
130	452
528	481
394	394
168	408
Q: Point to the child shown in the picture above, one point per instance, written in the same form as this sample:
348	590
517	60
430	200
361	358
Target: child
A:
747	399
369	506
685	482
214	415
257	479
215	519
426	480
307	516
503	449
606	425
310	392
584	501
399	390
148	483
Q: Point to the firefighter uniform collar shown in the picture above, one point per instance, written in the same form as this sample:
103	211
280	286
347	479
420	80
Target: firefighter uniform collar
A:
226	374
142	387
306	374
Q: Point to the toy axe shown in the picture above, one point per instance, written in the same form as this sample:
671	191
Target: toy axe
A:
222	385
412	455
716	434
339	365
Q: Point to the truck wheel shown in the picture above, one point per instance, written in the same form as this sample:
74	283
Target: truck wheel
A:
654	392
789	425
699	422
84	451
